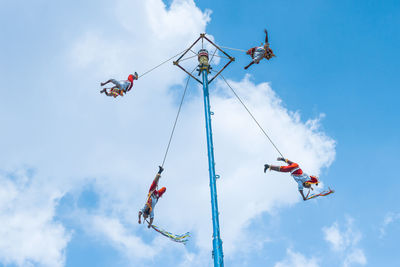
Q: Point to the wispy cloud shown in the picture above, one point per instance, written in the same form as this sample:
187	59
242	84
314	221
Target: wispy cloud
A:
390	218
29	233
296	259
120	237
346	242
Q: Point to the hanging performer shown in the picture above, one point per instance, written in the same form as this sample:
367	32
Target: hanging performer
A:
302	179
260	52
152	199
120	87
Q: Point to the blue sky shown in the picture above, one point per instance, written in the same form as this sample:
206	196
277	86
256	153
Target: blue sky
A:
76	165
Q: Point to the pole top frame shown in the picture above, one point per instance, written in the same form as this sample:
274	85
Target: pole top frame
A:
202	38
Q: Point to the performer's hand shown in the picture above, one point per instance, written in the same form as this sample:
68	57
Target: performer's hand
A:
148	226
266	167
281	159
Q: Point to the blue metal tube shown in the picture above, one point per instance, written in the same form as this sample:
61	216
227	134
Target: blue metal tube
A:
217	242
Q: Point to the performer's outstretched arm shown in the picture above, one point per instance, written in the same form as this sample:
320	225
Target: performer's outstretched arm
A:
266	35
251	63
139	217
302	194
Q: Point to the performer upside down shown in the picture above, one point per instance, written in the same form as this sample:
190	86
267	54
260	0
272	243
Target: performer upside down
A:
302	179
152	199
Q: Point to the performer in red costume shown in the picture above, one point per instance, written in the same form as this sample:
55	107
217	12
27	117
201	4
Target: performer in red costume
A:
152	199
120	87
302	179
260	52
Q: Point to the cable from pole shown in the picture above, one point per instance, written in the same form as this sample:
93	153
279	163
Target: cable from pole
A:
213	55
241	50
187	58
240	100
176	120
161	64
221	56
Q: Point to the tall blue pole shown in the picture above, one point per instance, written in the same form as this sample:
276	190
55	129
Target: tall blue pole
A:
218	255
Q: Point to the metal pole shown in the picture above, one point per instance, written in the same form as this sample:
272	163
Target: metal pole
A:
218	255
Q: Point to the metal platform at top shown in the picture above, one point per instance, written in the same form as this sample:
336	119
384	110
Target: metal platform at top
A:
203	37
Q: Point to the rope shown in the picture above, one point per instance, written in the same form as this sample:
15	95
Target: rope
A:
187	58
221	56
233	48
252	116
161	64
213	55
176	120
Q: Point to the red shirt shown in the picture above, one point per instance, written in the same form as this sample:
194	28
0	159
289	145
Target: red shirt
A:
290	168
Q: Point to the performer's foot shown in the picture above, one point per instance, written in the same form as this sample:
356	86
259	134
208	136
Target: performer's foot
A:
160	170
266	167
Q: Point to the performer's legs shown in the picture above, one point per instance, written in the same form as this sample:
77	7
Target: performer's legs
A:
117	84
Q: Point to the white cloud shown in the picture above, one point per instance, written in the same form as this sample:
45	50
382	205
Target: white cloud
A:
295	259
334	237
28	233
119	236
355	256
346	242
390	218
150	34
77	135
